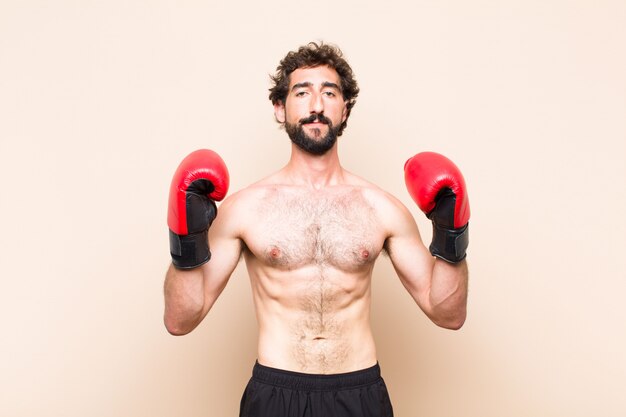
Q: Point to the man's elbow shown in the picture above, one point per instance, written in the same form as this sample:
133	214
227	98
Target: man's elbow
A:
451	322
176	328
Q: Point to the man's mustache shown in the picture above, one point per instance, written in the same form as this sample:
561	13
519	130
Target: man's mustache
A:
316	118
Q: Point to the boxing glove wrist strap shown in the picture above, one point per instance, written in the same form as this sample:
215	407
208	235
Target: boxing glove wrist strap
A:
189	251
449	244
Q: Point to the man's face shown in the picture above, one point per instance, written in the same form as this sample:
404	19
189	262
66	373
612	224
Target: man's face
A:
314	109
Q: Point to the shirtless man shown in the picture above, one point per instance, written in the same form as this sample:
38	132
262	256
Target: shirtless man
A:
310	234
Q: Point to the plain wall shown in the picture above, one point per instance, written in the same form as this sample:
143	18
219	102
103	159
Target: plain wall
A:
99	101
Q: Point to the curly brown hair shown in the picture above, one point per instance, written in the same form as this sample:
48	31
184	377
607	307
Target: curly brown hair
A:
309	56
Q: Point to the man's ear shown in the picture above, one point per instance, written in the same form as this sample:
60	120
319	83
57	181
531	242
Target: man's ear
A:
344	113
279	111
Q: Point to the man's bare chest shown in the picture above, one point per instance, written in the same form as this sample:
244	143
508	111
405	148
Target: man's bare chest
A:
295	229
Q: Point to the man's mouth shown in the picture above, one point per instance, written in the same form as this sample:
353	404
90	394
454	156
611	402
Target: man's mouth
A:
315	119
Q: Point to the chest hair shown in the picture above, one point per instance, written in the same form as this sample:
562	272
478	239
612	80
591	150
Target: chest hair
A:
335	229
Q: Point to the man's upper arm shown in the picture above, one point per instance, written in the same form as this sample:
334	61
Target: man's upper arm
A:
225	245
410	258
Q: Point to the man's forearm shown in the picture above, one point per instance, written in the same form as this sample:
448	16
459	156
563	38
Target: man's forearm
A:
448	294
184	299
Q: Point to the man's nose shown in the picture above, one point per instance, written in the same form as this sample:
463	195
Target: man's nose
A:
317	104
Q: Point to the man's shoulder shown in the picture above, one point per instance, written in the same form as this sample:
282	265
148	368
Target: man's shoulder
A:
391	213
373	192
248	195
239	209
387	206
247	200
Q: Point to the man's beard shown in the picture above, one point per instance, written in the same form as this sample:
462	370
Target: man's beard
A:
310	145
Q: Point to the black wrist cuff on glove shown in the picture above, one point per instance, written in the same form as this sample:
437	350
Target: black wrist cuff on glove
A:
449	244
189	251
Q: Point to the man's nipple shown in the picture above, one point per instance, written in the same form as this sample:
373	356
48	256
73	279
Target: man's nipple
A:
274	252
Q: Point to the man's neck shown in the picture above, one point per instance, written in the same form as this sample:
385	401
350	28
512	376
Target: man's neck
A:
315	171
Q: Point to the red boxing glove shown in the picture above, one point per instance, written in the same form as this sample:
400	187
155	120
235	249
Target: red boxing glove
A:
438	188
200	180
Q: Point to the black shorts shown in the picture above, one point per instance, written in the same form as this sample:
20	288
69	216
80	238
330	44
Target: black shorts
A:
278	393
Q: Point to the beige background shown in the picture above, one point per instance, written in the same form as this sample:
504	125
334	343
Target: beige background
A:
99	101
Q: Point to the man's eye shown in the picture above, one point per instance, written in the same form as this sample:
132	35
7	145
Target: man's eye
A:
329	93
300	93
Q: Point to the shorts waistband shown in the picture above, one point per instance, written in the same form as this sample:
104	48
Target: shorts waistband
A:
297	380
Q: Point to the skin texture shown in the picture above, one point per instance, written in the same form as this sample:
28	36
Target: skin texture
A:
310	235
